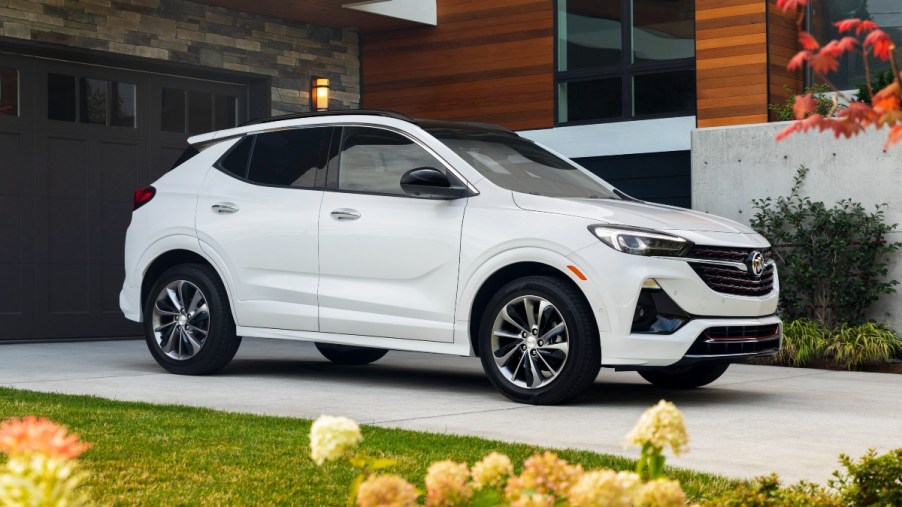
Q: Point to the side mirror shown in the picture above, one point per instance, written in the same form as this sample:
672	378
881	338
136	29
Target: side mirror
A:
431	183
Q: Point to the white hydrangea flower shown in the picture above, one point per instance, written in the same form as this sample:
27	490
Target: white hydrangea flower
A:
605	488
661	426
331	436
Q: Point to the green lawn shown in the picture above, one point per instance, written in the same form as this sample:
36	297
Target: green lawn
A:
147	454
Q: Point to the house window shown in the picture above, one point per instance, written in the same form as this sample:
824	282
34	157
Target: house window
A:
88	100
821	18
624	60
195	112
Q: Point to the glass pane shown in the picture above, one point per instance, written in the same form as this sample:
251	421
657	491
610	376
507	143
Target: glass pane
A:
520	165
589	34
373	160
200	112
590	100
288	158
93	93
9	91
60	97
224	112
667	92
886	13
663	30
173	111
124	105
235	162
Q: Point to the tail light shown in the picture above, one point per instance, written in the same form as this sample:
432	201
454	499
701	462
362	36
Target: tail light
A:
143	196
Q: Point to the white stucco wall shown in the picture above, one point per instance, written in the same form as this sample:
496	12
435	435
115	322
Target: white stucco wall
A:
733	165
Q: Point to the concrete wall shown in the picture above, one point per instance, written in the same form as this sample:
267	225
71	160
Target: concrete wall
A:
733	165
206	36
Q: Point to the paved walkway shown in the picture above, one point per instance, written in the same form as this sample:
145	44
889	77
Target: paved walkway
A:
754	420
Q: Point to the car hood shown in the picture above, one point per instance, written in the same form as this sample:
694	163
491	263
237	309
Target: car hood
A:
695	226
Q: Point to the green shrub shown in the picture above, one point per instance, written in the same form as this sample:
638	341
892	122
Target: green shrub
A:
872	480
852	346
832	261
803	340
823	102
881	80
766	492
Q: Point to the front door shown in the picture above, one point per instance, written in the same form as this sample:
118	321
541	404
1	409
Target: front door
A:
389	262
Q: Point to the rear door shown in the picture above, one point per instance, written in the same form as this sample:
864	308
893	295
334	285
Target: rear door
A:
389	261
258	213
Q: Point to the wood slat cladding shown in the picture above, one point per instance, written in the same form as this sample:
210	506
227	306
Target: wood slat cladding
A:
484	61
731	61
783	44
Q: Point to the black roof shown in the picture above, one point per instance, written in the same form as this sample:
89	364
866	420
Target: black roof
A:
426	124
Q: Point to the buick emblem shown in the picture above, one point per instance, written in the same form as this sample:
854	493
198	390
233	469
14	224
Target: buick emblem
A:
755	263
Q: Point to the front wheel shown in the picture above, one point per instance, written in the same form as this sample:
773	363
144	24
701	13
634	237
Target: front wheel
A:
538	341
188	323
697	375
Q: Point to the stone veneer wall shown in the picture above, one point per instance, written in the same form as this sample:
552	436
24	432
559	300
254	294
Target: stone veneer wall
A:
212	37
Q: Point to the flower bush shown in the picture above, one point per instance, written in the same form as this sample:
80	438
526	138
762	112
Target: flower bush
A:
545	480
41	467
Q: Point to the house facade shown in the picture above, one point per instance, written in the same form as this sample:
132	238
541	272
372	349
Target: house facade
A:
97	97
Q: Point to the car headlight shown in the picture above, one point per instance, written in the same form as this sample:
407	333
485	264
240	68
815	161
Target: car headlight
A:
636	241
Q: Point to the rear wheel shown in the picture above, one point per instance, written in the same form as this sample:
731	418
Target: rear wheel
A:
538	341
348	355
188	323
697	375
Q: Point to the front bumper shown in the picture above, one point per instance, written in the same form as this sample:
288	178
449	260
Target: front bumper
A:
620	277
690	343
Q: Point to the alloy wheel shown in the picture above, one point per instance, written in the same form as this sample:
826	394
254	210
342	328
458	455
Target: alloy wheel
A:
181	320
530	342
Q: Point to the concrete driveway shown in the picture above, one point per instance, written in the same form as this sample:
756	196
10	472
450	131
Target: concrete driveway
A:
754	420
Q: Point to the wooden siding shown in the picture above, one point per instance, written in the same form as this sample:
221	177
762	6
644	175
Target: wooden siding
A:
783	44
485	61
731	61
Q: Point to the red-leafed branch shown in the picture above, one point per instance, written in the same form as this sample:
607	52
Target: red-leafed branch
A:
863	36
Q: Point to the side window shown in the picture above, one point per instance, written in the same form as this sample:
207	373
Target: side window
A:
373	160
289	158
235	161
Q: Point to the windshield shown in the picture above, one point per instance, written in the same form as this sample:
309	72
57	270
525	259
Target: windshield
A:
520	165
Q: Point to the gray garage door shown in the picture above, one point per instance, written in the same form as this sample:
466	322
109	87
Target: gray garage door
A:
75	141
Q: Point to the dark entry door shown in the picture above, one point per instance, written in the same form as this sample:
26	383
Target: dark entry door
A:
82	139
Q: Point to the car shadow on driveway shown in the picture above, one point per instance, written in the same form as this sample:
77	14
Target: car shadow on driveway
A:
472	382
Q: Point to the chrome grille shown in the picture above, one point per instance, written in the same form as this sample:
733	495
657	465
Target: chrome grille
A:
729	279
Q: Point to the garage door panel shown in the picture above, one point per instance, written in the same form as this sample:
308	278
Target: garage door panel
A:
11	287
67	231
119	163
114	220
11	175
70	288
66	187
67	160
110	282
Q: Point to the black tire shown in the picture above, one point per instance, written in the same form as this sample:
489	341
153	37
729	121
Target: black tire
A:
349	355
219	345
581	362
697	375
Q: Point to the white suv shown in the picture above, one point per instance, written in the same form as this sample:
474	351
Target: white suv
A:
369	231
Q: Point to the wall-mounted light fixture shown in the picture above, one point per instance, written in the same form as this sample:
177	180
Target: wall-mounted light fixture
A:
319	94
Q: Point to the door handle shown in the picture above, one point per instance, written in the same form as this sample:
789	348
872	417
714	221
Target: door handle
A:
345	214
225	207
